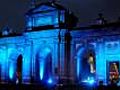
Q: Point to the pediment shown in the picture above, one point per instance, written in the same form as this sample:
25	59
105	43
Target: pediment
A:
43	8
46	7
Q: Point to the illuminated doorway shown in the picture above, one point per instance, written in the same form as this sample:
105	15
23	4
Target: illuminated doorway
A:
86	64
88	68
113	71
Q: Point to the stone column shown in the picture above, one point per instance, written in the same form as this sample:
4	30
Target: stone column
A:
67	56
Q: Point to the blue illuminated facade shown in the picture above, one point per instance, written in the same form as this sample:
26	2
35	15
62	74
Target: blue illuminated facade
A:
52	50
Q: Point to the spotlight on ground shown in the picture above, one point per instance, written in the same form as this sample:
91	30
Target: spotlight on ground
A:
89	80
49	81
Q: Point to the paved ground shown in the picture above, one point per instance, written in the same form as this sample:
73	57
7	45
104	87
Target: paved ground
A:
64	87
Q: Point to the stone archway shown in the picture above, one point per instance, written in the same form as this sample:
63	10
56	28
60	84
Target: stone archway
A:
19	68
44	64
86	62
15	66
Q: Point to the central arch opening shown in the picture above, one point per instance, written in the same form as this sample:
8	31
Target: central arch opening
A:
86	64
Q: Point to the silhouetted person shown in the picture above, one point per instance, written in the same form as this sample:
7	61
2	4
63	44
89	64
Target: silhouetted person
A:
101	86
101	20
112	86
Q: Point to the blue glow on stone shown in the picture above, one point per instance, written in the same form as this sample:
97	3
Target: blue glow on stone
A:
78	61
29	24
50	81
42	61
11	71
78	67
41	69
47	51
40	21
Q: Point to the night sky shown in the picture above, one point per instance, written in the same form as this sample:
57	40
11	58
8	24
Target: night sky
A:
12	11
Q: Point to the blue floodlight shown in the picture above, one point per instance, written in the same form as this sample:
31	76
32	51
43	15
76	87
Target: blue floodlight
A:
89	80
11	72
49	81
41	70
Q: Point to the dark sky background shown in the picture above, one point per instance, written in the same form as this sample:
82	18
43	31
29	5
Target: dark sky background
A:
12	11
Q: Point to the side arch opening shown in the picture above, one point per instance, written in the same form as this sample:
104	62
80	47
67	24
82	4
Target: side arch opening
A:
19	69
44	64
15	67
